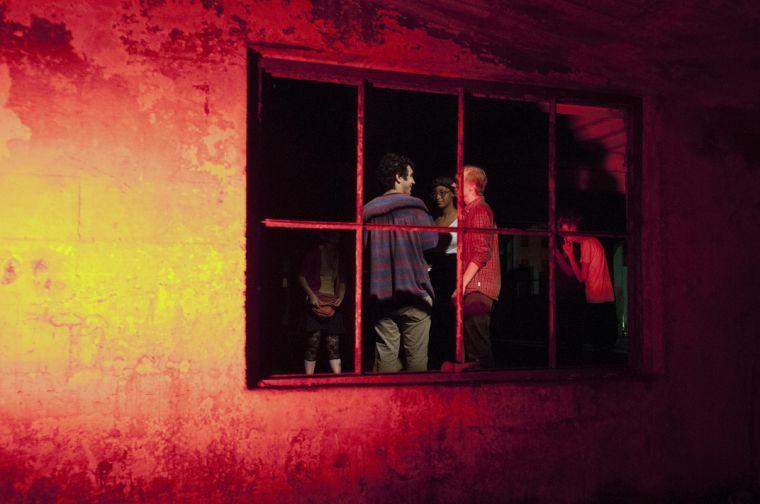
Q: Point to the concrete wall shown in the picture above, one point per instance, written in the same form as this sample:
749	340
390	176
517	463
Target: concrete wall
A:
122	200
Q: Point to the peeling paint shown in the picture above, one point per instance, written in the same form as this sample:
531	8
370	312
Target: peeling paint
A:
10	271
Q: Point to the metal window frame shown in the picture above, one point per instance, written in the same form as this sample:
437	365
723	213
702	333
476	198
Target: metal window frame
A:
362	78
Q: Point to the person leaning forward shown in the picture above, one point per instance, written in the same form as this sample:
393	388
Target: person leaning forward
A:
400	287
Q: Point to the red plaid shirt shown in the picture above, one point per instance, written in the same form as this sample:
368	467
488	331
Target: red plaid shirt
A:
481	249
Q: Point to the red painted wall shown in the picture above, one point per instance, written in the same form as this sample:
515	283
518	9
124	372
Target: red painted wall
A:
122	173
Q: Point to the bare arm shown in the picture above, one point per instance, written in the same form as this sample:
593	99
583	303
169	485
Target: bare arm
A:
313	299
469	274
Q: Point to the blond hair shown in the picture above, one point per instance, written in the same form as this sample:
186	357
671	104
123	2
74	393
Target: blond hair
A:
478	176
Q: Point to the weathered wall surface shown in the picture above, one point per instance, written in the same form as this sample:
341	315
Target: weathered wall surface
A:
122	193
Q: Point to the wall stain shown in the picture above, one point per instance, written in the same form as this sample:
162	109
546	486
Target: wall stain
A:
348	21
86	340
102	471
514	56
39	267
723	131
205	88
10	272
43	44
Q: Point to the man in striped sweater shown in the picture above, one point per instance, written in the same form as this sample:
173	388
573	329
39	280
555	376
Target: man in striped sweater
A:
400	290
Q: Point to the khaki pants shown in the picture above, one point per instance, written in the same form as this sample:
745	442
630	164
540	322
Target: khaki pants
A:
410	325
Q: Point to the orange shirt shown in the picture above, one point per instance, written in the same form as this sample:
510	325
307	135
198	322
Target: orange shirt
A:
598	284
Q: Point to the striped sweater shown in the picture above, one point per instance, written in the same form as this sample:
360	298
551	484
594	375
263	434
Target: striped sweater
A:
397	266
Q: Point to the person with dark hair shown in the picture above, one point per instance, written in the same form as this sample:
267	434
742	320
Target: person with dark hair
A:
600	318
400	291
444	195
443	273
322	278
481	280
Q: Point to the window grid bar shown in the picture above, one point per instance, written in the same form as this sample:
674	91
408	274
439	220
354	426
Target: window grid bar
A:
578	375
350	226
460	208
299	224
633	163
359	235
552	233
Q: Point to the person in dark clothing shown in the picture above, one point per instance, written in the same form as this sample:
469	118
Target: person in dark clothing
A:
443	274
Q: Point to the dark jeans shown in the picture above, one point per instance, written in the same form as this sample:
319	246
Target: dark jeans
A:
477	329
601	325
442	344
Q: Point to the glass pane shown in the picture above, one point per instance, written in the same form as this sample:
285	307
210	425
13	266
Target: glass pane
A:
519	322
408	316
420	126
591	166
308	156
509	140
298	327
592	315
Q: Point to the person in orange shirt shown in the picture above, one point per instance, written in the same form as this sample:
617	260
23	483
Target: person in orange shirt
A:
600	317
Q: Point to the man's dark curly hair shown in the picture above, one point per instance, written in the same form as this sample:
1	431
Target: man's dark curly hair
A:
391	165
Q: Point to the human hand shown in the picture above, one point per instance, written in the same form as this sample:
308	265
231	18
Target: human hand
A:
337	302
313	299
454	296
567	248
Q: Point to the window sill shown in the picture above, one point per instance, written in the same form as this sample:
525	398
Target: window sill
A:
554	376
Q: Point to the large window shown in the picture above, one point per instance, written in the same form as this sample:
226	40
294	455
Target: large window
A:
561	170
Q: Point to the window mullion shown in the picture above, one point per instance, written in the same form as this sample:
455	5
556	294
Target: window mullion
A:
633	211
359	237
552	233
460	240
